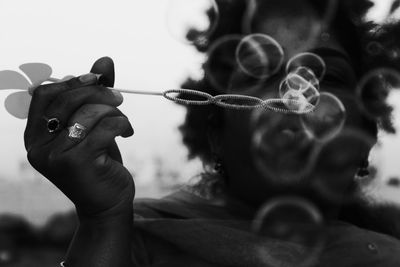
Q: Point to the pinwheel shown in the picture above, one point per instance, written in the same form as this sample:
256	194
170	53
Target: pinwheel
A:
17	103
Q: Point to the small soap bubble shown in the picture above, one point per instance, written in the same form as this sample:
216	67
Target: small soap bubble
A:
374	48
311	61
294	222
294	100
327	119
337	163
303	78
192	21
259	55
376	92
281	148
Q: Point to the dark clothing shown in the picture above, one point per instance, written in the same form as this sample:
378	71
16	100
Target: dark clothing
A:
185	230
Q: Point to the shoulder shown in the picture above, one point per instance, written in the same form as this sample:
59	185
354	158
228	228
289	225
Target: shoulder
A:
362	247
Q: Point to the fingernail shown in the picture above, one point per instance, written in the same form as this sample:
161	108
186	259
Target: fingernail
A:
88	78
131	131
118	95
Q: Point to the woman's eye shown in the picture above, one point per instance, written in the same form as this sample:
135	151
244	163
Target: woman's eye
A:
336	76
338	72
332	77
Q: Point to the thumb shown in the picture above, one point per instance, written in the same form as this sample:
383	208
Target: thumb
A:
104	66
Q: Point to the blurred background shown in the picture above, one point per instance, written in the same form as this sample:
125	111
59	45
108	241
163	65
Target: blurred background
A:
70	36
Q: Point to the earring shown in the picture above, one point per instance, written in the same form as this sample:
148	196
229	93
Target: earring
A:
363	171
218	165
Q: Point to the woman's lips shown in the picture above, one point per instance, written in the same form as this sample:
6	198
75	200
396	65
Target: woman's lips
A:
293	137
288	133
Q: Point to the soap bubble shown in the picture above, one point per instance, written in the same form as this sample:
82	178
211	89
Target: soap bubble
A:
375	92
222	70
297	225
301	86
337	162
294	99
374	48
192	21
327	119
281	148
302	78
311	61
259	55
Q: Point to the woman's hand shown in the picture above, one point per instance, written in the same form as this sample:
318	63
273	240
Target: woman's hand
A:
87	170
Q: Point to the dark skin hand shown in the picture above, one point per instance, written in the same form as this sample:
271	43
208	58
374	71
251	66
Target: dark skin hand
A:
88	171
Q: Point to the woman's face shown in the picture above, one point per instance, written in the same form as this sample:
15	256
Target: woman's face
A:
290	156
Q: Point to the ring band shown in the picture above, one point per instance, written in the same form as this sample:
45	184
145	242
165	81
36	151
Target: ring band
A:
53	125
77	131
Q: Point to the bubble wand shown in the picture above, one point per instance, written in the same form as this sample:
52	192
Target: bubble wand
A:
17	103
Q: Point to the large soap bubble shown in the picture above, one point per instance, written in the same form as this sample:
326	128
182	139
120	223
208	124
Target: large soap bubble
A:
282	150
376	92
294	222
192	21
336	163
327	119
259	55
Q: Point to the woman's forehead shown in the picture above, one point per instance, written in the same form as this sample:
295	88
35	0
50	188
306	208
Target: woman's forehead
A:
297	33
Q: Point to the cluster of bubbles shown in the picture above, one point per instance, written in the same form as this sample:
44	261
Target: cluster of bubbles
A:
242	65
301	82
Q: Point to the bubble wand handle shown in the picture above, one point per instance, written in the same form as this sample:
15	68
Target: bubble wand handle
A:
137	92
128	91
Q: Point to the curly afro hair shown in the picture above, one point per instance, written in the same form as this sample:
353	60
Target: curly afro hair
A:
369	45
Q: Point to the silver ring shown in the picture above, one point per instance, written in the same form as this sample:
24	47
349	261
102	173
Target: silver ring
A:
77	131
53	125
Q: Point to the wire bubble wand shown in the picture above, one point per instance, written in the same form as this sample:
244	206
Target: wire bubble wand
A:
17	103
